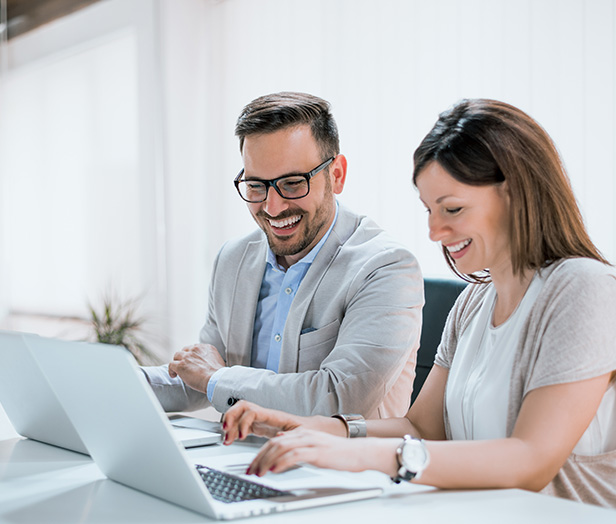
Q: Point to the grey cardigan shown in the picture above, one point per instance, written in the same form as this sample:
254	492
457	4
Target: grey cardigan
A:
570	335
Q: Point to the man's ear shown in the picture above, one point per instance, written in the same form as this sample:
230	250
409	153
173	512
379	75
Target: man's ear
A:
337	172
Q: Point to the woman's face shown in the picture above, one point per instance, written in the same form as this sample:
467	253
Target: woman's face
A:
471	222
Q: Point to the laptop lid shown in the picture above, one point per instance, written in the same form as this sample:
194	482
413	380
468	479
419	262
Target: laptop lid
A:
102	390
28	399
35	411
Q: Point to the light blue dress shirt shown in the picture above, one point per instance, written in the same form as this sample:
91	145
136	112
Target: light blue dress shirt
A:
278	290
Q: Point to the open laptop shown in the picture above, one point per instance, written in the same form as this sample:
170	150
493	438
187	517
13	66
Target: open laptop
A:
28	399
121	422
35	411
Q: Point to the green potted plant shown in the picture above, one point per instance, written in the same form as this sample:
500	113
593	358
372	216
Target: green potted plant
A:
117	323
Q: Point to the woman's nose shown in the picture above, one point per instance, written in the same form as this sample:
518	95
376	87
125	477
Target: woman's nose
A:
436	227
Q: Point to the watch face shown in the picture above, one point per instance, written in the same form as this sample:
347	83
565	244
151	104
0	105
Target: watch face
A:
414	456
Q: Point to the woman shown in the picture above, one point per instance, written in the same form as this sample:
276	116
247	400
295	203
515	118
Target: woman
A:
523	389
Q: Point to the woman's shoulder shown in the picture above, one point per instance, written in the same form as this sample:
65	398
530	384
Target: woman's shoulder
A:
465	307
578	297
581	265
577	274
474	294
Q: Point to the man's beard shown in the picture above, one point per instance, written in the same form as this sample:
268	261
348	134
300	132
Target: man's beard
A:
318	221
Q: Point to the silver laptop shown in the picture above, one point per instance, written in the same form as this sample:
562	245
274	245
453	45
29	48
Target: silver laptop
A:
35	411
28	400
103	390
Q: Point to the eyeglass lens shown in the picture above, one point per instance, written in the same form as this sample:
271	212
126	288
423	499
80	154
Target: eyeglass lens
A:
288	187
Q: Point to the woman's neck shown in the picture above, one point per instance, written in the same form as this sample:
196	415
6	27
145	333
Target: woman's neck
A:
510	290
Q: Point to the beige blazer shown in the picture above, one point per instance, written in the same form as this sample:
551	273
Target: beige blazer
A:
351	337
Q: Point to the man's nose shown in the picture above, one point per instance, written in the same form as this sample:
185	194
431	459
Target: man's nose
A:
274	204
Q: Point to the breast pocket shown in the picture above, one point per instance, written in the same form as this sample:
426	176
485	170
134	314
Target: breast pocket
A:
314	346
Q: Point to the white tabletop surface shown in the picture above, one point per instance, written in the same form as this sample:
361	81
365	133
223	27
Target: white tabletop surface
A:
42	484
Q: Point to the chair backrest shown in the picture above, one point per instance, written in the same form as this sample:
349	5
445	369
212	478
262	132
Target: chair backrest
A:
440	295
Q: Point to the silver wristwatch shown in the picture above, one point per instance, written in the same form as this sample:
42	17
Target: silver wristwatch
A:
413	459
355	424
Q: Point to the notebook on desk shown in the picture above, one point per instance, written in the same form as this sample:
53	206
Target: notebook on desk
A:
102	388
34	409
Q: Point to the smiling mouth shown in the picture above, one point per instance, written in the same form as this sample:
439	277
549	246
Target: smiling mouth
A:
285	223
456	248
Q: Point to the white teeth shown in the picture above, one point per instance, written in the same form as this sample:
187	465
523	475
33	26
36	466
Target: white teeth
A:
458	247
286	222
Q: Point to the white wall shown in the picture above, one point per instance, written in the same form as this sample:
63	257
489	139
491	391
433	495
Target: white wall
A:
388	67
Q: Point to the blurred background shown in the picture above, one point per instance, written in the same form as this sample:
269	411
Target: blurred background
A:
117	151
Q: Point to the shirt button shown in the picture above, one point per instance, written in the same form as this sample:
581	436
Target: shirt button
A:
277	338
288	291
231	401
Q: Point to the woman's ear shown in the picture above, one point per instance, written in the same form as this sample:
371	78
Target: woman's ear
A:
503	189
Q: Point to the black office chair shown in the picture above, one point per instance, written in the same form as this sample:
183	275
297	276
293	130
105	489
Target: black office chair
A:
440	294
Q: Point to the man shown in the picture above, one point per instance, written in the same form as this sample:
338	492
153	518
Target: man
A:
319	311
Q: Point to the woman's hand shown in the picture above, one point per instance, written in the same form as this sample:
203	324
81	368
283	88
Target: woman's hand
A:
326	451
246	418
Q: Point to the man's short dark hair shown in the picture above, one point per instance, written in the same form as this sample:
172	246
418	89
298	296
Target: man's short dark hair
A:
278	111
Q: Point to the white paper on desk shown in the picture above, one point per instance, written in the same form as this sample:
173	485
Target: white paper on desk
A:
302	477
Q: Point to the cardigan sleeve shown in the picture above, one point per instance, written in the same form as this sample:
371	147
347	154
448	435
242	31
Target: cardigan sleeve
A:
573	325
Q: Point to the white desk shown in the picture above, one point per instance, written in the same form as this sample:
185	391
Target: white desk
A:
42	484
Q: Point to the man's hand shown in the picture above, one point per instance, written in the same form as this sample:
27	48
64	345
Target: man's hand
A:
195	365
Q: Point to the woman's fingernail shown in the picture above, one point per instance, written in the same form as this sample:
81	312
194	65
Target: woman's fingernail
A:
224	425
241	437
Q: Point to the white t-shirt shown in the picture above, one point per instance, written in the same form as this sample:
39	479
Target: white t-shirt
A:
477	393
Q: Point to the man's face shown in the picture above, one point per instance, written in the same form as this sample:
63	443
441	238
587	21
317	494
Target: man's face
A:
292	227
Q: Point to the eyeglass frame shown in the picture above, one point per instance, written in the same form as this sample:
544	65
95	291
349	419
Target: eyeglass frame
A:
274	182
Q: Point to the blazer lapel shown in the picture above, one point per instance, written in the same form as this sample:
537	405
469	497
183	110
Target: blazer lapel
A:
245	298
345	225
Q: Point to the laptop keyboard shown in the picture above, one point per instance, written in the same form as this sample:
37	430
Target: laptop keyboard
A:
229	488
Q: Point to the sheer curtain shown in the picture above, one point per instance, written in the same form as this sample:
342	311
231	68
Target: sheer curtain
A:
81	168
71	192
4	302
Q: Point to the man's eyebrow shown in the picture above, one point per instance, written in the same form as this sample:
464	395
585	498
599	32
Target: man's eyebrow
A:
251	177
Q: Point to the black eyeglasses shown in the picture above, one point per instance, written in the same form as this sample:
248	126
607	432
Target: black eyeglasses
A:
290	187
